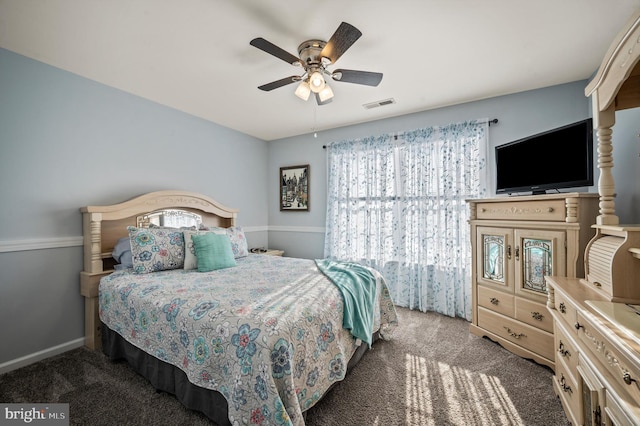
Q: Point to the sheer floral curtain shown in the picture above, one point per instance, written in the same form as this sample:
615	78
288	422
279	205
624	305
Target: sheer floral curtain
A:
397	203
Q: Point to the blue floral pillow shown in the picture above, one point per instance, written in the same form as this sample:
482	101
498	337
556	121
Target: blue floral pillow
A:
156	249
236	235
238	242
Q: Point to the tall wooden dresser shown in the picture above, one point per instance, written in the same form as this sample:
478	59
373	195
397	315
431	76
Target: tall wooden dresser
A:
597	319
516	242
597	331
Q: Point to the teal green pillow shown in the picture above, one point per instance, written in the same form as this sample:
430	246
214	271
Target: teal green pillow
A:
213	252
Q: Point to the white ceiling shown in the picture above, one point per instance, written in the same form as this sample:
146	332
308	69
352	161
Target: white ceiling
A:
194	55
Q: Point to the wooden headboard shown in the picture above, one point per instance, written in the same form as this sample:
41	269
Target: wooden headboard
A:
102	226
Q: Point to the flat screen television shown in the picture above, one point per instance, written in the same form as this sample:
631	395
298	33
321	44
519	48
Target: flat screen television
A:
552	160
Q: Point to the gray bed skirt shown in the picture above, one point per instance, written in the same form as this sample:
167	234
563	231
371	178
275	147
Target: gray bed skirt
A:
168	378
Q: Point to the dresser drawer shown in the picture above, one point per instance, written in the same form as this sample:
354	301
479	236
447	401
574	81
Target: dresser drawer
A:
566	350
496	300
566	309
623	374
543	210
570	392
534	313
531	338
620	413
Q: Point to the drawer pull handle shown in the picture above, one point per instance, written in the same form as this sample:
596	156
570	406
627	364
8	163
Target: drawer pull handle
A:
509	251
564	386
627	378
514	334
578	326
550	209
537	316
562	351
494	301
517	253
562	308
597	284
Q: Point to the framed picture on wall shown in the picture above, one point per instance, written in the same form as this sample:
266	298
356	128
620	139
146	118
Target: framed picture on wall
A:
294	188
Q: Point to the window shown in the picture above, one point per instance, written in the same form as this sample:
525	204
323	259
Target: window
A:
397	203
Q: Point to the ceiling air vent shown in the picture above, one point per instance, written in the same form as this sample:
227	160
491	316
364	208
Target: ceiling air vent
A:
379	103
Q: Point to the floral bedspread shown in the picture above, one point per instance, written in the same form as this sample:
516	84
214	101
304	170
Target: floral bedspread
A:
267	333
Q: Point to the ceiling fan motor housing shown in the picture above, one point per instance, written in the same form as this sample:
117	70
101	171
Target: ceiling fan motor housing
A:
309	52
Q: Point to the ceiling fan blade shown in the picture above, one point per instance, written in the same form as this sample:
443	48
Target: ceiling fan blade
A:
279	83
358	77
340	41
274	50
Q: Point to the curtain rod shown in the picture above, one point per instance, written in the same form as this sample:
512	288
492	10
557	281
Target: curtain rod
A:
490	122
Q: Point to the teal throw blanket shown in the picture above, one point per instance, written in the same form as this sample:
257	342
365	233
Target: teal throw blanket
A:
358	287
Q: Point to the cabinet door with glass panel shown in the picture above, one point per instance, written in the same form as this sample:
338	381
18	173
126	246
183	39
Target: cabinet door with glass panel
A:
537	253
517	260
494	260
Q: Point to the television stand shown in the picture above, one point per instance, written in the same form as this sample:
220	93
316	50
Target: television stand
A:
515	243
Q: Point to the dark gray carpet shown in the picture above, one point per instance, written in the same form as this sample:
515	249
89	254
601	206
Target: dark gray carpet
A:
433	372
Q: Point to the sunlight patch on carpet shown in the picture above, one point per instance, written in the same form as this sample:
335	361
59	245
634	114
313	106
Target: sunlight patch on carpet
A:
434	389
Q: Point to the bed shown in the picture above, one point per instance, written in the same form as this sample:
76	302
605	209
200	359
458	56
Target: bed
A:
253	339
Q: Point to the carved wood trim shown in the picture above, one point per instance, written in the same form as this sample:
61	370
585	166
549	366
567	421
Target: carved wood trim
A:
162	200
612	360
571	206
618	65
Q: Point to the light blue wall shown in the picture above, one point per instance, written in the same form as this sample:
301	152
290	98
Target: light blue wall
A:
626	165
67	142
519	115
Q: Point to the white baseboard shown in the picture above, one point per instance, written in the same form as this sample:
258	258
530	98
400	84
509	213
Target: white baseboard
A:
14	364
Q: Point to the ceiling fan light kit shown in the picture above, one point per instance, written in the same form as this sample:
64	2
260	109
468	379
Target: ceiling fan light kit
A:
316	82
315	56
325	94
303	90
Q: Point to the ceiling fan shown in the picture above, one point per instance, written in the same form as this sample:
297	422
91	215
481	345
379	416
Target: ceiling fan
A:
314	57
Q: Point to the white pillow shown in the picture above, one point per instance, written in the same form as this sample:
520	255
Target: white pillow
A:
236	235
